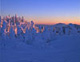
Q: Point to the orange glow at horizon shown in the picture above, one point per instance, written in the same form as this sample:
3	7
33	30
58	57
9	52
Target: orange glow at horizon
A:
54	20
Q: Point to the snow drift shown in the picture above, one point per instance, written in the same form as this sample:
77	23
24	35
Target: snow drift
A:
22	41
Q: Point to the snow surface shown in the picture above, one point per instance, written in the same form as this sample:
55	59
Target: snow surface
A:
64	49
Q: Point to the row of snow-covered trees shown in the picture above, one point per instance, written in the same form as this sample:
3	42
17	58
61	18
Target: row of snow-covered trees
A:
18	28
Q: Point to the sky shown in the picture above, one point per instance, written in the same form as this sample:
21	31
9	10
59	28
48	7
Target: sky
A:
43	11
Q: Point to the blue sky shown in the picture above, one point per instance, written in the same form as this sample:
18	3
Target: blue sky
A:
41	9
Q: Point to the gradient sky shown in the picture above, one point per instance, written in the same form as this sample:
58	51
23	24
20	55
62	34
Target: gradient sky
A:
43	11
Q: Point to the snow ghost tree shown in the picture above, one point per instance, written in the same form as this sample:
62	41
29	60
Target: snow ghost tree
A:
17	28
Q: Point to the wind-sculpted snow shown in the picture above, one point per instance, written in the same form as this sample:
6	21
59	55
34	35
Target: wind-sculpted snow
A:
15	27
22	41
18	28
